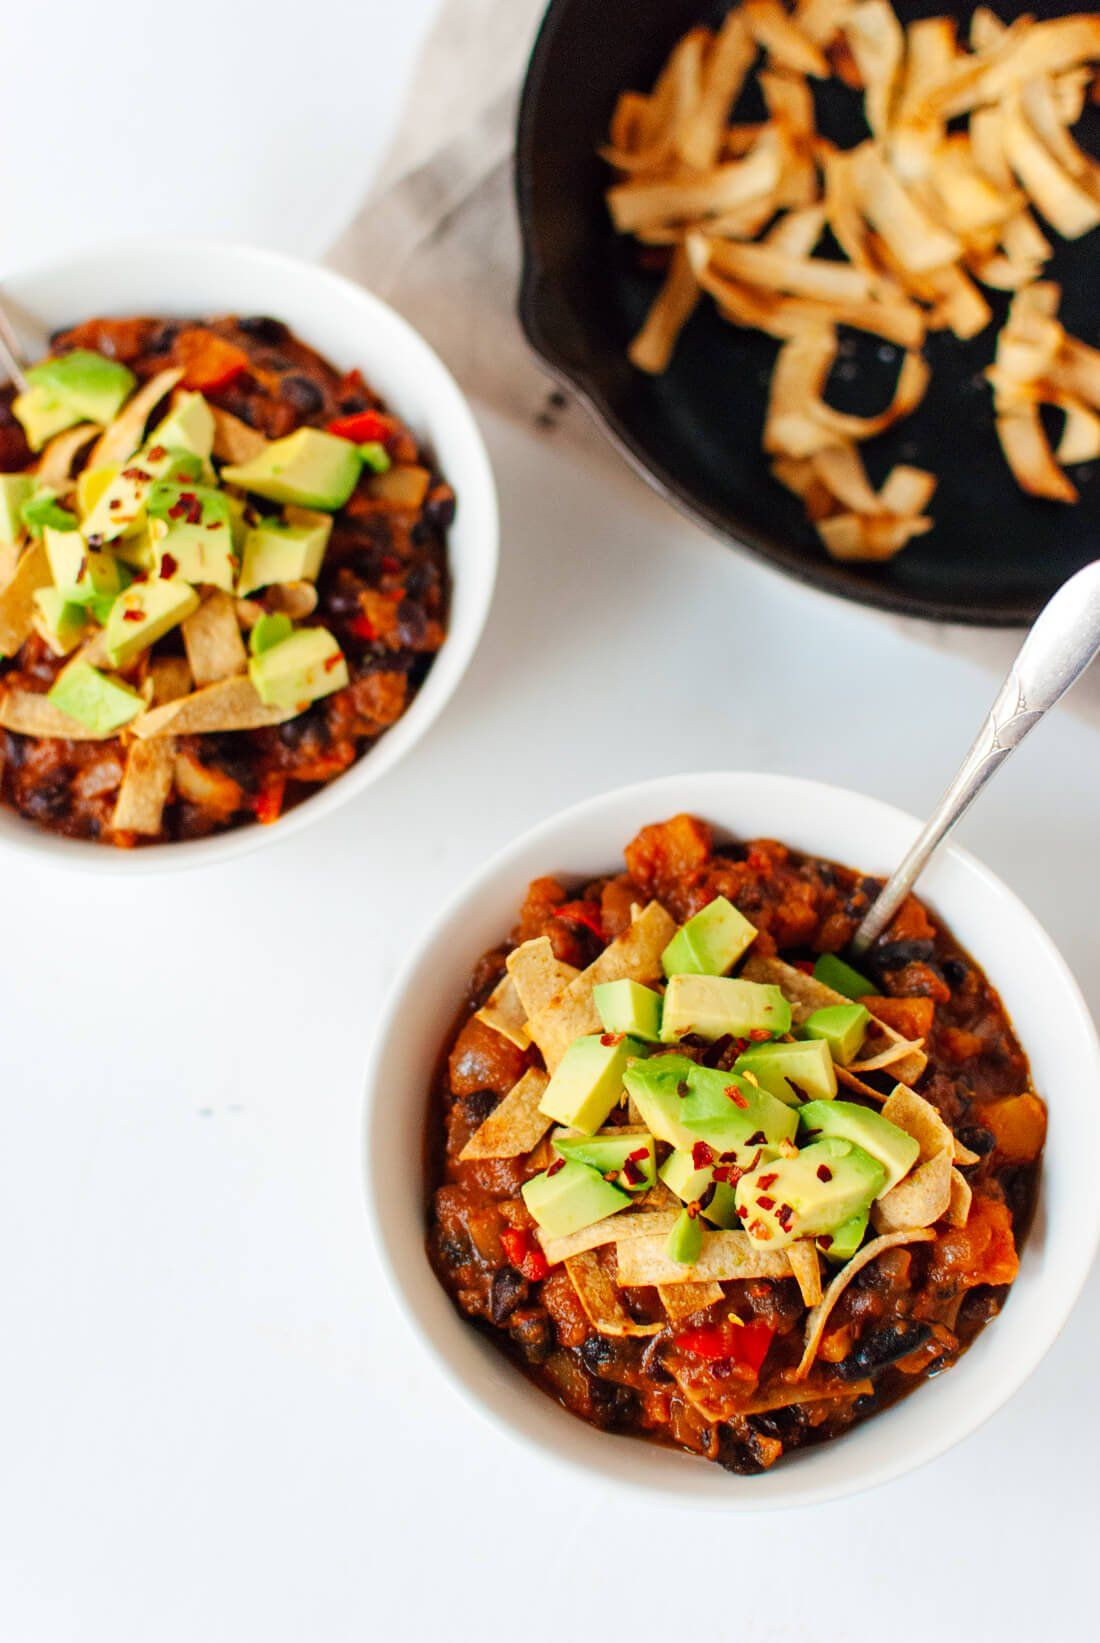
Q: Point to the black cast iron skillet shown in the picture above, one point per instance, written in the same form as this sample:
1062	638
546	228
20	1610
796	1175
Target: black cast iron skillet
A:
995	555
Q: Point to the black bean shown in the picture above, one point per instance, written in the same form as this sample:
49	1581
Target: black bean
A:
412	623
309	726
263	327
509	1289
16	749
870	887
735	1455
455	1250
597	1352
978	1139
784	1424
882	1347
304	394
533	1333
163	338
439	510
955	971
479	1104
351	403
613	1405
49	798
892	955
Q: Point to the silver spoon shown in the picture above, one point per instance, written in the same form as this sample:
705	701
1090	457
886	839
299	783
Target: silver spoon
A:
10	353
1060	646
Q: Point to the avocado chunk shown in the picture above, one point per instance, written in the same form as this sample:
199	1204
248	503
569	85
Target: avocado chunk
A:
300	670
627	1155
274	552
15	490
712	1006
682	1103
313	468
842	1244
721	1208
710	943
271	629
843	1027
42	415
143	614
83	574
588	1081
814	1192
628	1007
691	1183
685	1241
60	621
192	533
895	1149
91	485
189	426
44	509
569	1196
93	387
833	972
95	699
793	1072
119	509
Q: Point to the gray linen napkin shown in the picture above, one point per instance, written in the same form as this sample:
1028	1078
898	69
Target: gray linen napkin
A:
437	238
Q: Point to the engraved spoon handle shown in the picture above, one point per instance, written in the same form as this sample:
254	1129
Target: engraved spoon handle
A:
1058	649
11	359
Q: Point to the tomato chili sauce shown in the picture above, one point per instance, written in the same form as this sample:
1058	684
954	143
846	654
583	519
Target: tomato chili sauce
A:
383	592
905	1317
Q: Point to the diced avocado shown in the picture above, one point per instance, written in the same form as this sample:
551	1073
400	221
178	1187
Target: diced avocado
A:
144	613
15	489
833	972
627	1154
271	629
721	1211
711	1006
95	699
61	621
42	415
842	1244
588	1081
628	1007
301	669
91	486
895	1149
684	1177
814	1192
313	468
83	574
274	552
682	1103
685	1241
119	510
793	1072
189	426
92	386
710	943
375	456
44	509
192	533
565	1199
843	1027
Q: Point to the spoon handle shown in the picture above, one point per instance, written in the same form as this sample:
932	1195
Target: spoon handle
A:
1058	649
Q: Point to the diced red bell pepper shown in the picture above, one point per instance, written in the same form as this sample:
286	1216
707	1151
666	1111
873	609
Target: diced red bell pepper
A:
363	628
268	803
363	427
209	362
743	1345
525	1256
583	912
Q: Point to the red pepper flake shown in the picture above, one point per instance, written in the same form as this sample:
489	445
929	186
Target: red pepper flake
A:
804	965
764	1202
683	1088
784	1215
826	1240
363	628
634	1174
134	473
768	1180
721	1172
133	616
824	1173
552	1169
333	661
760	1035
608	1040
156	453
188	508
760	1232
169	565
736	1097
115	502
390	564
693	1210
756	1139
216	525
702	1155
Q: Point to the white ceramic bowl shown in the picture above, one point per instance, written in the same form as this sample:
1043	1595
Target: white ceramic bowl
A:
1042	999
351	328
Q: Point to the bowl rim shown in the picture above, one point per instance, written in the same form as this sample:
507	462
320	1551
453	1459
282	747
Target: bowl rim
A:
478	487
651	798
826	576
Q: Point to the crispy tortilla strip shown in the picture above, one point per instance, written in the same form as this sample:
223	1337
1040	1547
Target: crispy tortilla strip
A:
33	714
728	1402
1077	370
797	276
503	1012
55	465
806	1266
920	1119
515	1126
614	1229
146	784
633	956
647	204
853	536
700	132
126	432
797	232
538	975
600	1298
917	242
234	440
725	1255
798	420
652	348
681	1300
1025	51
963	1155
171	679
958	1210
1027	452
1067	203
819	1317
888	1057
1080	441
17	607
779	35
877	43
923	1198
212	639
231	704
806	994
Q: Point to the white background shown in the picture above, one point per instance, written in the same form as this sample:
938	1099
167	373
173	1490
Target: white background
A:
213	1425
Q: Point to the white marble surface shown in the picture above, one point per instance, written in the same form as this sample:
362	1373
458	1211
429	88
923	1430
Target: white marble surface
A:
213	1423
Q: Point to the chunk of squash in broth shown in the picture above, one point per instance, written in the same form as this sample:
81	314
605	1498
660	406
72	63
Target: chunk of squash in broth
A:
484	1060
